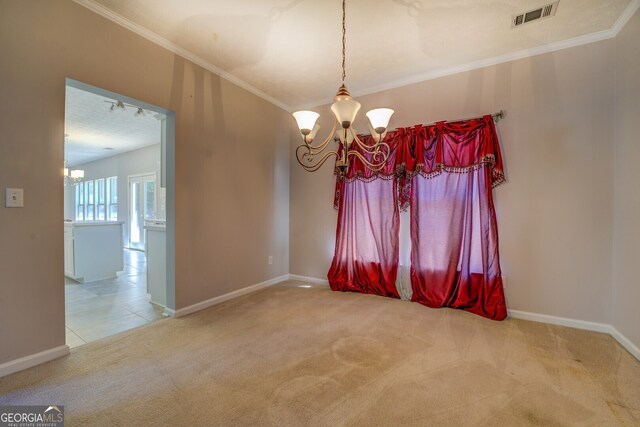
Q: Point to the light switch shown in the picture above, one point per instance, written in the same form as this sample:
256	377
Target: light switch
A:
13	198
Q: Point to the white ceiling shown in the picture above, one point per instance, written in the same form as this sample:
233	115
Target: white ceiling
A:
93	131
290	50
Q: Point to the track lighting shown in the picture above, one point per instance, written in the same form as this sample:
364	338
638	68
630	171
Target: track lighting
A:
121	106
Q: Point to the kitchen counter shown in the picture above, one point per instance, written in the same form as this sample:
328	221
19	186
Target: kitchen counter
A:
91	223
93	250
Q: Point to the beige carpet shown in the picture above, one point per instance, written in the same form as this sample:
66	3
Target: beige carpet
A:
295	356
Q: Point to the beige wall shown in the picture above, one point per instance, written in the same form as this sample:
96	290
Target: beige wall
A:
231	163
626	237
236	202
554	213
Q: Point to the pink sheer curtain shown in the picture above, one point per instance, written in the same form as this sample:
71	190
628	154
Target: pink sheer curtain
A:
366	255
454	234
454	244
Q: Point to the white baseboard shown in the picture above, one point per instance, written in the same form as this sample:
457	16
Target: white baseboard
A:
562	321
222	298
307	279
625	342
32	360
579	324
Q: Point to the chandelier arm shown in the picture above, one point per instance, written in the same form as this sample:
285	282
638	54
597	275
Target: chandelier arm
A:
378	163
373	166
372	149
378	152
324	143
316	166
309	152
384	144
365	147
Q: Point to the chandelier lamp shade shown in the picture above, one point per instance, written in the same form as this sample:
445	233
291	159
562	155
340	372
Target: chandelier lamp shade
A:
372	154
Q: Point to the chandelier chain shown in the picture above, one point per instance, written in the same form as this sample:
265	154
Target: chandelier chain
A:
344	41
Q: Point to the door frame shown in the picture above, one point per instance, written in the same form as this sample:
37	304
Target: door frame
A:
167	177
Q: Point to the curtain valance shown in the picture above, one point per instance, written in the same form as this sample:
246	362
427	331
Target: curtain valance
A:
456	147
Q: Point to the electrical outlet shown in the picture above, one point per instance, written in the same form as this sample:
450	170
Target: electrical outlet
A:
270	260
504	282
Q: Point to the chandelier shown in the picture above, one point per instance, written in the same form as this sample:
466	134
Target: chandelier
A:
72	176
345	108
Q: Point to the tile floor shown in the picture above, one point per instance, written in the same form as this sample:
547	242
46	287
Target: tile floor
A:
99	309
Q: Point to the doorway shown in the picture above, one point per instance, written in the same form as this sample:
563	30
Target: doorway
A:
116	296
142	207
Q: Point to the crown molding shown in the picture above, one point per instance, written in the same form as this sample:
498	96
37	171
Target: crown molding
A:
626	15
172	47
622	20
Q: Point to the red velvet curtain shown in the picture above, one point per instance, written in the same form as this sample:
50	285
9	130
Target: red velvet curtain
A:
445	173
366	255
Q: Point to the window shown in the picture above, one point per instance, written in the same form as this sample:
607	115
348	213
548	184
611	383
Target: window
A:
97	200
80	201
89	200
100	214
112	198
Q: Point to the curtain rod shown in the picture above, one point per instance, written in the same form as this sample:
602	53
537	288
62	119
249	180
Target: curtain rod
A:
495	116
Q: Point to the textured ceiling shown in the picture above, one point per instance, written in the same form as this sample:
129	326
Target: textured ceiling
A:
290	49
90	127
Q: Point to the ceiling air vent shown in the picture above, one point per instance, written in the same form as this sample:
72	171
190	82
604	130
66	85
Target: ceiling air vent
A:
545	11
